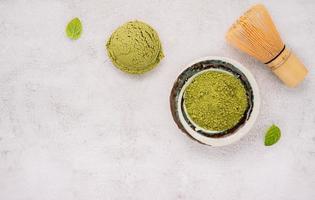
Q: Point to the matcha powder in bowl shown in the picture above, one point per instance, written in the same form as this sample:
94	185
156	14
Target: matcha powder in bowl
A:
215	100
135	47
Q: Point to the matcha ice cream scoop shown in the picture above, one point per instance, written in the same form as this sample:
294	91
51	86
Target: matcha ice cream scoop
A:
135	47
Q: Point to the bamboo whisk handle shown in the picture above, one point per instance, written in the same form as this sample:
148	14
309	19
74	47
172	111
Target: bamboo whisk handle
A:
288	68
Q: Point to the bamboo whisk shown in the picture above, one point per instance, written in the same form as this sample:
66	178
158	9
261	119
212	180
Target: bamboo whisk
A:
255	34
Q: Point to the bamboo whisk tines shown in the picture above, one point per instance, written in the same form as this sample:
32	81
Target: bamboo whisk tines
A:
255	34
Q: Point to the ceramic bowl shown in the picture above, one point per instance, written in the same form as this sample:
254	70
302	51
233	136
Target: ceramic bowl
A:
215	138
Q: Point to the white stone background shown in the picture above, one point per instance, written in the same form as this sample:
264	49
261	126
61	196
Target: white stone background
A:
72	126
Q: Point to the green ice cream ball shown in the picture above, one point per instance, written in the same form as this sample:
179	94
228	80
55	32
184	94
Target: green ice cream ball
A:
135	47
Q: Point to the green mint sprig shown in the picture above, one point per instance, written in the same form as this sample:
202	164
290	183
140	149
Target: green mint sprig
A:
74	29
272	136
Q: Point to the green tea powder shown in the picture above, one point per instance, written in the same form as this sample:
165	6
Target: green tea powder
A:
215	100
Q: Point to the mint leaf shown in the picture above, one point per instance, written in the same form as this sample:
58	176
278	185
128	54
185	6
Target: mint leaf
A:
74	29
272	136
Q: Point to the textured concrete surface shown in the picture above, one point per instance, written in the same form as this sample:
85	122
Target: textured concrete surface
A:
74	127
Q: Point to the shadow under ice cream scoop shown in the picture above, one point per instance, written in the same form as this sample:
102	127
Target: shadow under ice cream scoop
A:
135	47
